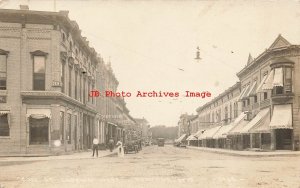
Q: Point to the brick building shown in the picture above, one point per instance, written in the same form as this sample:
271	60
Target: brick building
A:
262	110
47	70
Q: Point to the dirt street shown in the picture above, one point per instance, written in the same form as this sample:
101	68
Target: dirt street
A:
154	167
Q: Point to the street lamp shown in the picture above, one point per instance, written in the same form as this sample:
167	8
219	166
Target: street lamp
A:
198	58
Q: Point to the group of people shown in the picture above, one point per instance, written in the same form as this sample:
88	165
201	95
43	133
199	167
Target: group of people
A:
119	145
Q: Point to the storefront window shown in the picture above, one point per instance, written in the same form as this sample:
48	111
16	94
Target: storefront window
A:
38	131
3	72
68	128
62	125
4	125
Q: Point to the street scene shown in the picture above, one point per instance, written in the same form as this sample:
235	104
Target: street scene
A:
154	166
149	93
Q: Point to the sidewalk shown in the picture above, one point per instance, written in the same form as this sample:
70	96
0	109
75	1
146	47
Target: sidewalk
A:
73	156
283	153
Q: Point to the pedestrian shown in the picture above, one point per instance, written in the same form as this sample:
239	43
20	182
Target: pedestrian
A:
111	144
95	146
120	149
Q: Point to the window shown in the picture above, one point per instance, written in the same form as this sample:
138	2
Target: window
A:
63	77
4	125
235	106
226	114
255	98
68	129
288	80
89	89
76	82
63	37
265	95
62	126
70	81
39	72
84	90
38	131
80	87
3	71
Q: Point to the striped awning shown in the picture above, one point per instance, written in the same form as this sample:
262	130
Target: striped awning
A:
243	92
181	138
191	137
255	121
209	133
199	133
259	88
268	84
263	126
278	77
222	131
282	117
252	91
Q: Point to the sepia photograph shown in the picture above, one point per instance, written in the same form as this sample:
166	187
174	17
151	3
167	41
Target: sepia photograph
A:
150	93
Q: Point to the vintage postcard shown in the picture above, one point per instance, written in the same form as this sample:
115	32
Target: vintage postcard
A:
149	93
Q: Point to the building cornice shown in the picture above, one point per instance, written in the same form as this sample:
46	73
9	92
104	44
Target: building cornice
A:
55	95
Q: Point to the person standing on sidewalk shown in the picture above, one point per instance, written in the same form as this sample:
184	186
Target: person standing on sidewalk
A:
95	145
120	149
111	144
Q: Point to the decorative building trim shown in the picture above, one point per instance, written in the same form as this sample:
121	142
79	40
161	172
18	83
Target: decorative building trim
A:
4	52
70	61
63	56
39	53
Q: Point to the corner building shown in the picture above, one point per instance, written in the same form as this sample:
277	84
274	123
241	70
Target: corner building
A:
46	72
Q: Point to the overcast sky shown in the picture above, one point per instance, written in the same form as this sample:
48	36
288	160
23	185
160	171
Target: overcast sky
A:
148	42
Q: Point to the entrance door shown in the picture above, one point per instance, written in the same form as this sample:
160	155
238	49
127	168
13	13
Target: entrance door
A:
283	139
38	131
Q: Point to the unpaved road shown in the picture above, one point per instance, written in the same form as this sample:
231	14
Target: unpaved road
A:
155	167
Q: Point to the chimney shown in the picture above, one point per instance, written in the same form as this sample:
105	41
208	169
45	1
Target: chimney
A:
24	7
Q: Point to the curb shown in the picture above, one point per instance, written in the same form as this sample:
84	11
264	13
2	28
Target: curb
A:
263	154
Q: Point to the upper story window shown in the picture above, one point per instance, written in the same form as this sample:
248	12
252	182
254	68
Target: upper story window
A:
283	76
3	69
3	72
39	70
63	37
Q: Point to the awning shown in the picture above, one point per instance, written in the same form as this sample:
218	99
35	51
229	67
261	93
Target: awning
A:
268	84
112	124
199	133
243	92
182	137
209	133
191	137
252	90
278	77
282	117
255	121
259	88
222	131
39	113
263	126
3	112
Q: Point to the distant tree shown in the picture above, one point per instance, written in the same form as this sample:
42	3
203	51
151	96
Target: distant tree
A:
161	131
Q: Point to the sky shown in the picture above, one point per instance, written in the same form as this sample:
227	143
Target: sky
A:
151	44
